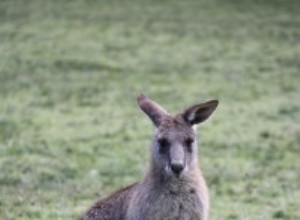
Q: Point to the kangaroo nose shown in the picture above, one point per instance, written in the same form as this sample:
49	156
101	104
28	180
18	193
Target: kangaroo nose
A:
177	167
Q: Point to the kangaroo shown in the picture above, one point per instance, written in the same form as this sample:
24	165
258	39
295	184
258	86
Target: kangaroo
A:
174	187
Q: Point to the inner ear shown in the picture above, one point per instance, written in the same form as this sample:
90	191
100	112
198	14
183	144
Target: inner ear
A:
200	112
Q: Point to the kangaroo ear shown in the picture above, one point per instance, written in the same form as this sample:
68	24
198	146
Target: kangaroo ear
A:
152	109
200	112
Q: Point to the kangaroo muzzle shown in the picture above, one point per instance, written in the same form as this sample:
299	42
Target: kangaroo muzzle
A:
177	159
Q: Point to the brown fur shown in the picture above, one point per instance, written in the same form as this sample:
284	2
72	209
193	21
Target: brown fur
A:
112	207
164	193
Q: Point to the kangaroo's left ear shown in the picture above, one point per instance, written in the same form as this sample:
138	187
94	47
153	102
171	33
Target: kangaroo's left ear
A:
200	112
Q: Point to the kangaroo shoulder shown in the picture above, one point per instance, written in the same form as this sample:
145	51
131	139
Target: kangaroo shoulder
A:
112	207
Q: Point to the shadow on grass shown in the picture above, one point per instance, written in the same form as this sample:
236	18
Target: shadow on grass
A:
83	65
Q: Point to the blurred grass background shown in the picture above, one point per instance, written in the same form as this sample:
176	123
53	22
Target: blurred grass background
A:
70	129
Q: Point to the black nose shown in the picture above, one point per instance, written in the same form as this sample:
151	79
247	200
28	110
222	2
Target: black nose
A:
177	168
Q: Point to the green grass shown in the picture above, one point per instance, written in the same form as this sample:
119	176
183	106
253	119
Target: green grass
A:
70	129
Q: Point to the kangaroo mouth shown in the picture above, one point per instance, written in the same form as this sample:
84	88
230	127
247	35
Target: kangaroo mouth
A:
171	173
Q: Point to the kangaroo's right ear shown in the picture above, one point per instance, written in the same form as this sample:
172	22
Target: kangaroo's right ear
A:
152	109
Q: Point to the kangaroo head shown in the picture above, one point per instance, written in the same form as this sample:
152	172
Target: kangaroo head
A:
174	144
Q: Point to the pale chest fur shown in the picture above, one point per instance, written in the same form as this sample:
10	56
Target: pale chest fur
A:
172	202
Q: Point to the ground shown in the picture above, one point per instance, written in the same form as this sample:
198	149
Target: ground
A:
70	128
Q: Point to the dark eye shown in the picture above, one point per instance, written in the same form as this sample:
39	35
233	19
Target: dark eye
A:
189	144
163	145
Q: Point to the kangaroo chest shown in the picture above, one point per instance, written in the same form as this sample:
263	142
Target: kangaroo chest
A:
168	205
176	207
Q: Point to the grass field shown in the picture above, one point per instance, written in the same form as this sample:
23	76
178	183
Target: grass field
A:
70	129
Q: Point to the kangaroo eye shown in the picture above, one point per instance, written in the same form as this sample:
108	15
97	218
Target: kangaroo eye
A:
189	143
163	145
